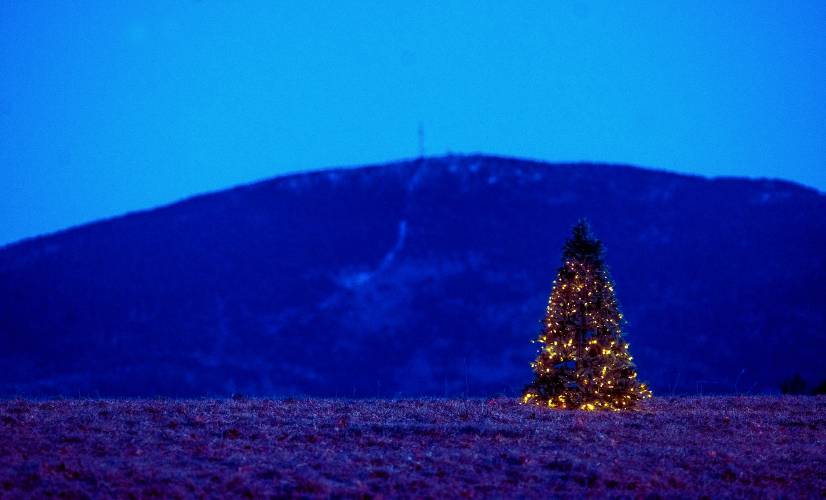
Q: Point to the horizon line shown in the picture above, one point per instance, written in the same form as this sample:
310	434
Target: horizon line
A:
391	163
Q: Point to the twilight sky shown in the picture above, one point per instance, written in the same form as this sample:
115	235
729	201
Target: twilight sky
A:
108	107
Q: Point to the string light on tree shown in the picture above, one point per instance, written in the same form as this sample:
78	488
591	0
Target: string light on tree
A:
583	361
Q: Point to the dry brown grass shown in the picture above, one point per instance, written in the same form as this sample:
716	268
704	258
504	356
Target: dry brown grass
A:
714	446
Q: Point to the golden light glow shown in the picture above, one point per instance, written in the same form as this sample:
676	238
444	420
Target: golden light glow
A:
583	361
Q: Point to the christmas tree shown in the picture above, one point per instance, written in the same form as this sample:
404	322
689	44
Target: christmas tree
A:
583	361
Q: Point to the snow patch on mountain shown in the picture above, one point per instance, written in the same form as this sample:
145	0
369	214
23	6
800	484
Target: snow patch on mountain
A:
359	278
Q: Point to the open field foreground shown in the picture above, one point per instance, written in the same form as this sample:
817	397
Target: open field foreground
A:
717	446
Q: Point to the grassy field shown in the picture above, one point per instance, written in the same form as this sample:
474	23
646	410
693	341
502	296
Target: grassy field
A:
715	446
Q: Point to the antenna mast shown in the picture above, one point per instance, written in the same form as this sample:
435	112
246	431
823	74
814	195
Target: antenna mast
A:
421	140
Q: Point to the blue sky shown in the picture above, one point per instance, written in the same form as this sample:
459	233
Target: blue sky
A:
109	107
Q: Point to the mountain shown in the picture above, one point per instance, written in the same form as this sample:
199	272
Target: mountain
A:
423	277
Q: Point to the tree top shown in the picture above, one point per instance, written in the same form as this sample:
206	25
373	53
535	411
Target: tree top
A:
582	245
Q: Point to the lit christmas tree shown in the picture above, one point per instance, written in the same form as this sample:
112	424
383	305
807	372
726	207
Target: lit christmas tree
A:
583	361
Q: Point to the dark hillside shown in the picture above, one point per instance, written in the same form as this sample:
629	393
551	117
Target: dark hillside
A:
416	278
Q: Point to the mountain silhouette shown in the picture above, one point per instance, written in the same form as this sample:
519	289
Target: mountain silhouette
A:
422	277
